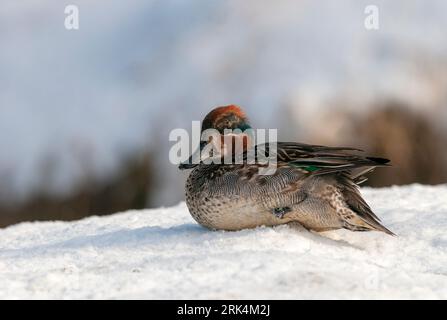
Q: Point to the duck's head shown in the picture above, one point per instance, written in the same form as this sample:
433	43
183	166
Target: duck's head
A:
226	117
230	126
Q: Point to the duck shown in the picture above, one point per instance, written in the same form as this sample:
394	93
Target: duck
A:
312	185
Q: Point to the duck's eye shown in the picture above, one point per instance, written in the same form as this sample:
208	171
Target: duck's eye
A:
229	121
227	124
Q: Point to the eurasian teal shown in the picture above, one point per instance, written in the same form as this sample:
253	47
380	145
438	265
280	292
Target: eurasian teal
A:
313	185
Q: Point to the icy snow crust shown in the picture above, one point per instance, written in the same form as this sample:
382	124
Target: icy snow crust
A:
163	254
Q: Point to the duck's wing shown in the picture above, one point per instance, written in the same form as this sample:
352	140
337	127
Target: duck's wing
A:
314	159
319	160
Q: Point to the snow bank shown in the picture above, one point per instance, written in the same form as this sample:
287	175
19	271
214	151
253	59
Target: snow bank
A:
164	254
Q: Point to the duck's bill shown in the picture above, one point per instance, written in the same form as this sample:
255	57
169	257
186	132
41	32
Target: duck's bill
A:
192	161
186	165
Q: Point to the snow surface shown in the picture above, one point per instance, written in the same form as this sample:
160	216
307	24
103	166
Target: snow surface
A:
163	254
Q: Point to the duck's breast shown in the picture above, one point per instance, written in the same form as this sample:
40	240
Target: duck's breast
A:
230	199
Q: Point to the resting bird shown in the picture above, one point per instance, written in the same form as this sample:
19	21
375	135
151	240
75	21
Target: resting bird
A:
313	185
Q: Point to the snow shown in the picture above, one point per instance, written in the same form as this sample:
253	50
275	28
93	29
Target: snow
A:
163	254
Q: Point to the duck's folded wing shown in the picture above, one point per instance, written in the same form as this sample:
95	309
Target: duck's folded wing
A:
321	159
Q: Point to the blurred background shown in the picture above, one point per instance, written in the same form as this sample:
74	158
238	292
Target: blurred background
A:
85	114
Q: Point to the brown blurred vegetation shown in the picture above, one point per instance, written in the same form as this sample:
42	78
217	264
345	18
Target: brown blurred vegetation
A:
416	148
128	188
393	130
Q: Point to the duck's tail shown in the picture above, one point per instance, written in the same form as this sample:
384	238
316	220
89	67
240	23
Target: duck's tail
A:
357	214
